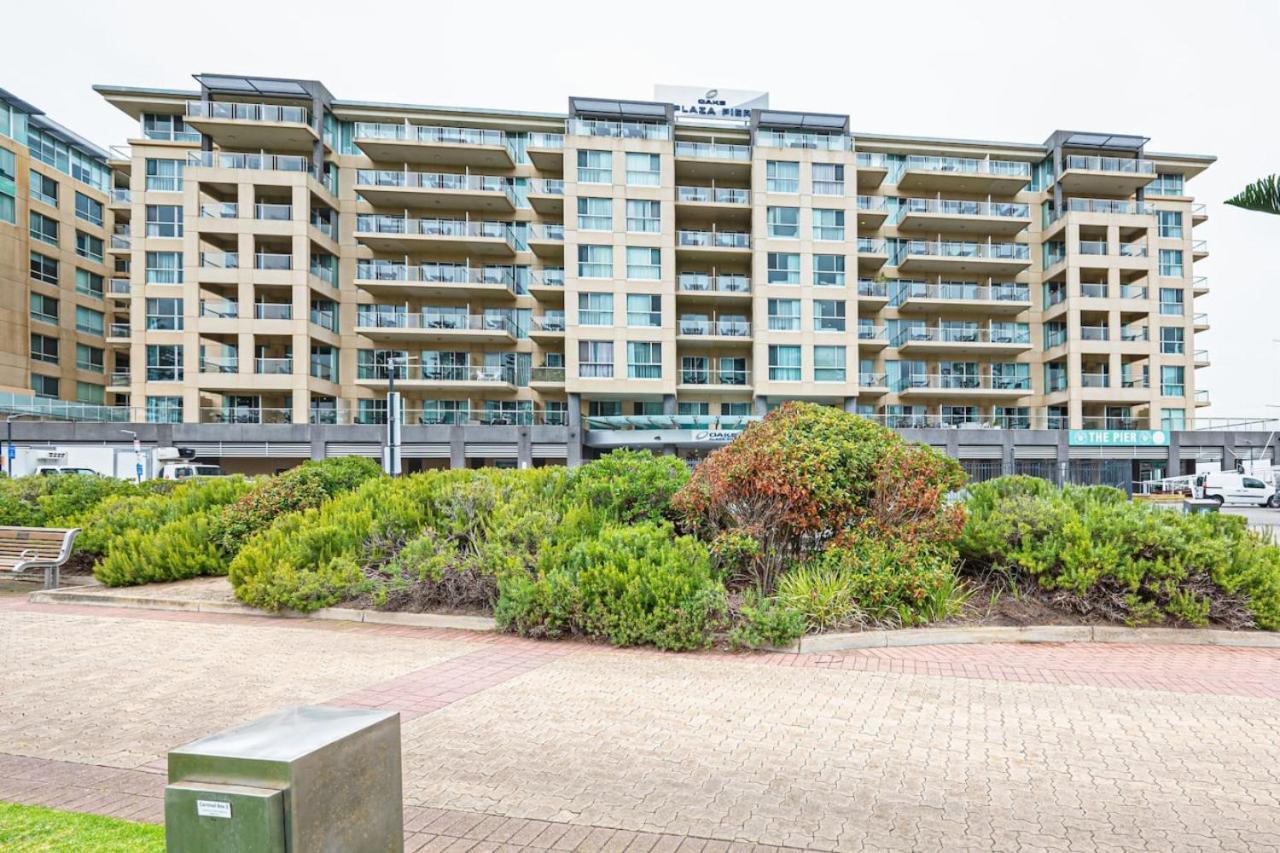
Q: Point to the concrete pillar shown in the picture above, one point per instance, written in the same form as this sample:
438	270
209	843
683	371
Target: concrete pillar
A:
1175	455
1006	452
1064	455
524	448
574	432
761	406
851	404
668	404
457	448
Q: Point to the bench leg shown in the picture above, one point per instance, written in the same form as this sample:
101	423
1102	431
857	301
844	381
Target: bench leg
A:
50	577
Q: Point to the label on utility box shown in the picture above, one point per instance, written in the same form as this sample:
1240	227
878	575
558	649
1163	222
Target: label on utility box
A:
213	808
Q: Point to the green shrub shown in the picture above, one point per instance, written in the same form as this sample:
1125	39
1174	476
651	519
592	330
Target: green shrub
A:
50	501
765	623
111	517
1105	556
183	548
630	485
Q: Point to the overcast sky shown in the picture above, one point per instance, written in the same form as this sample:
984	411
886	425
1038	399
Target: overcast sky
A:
1194	76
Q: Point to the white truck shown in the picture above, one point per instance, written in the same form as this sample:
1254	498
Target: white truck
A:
167	463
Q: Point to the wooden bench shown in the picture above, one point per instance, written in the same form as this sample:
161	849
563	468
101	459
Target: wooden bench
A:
25	548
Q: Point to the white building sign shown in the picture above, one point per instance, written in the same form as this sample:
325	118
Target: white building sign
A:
722	106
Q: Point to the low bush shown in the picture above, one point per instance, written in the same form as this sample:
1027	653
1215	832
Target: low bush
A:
630	485
1093	551
763	623
112	517
183	548
51	501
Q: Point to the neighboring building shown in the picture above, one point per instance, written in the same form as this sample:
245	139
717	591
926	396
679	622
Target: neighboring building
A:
288	247
55	236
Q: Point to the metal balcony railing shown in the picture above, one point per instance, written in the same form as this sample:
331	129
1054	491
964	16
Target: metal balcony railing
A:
267	113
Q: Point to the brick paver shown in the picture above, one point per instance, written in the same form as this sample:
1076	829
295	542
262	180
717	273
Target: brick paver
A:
516	744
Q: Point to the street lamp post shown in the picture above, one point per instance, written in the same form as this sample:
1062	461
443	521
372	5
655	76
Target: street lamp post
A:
391	461
137	453
11	453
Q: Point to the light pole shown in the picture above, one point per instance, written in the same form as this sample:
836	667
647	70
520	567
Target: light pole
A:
392	454
11	453
137	453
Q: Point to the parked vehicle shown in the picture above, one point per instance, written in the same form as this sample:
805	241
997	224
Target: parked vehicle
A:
125	463
1231	488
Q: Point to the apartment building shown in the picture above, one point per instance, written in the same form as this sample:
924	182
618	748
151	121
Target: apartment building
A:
55	272
287	256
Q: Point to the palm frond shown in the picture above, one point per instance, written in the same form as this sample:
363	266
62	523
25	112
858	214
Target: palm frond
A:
1262	195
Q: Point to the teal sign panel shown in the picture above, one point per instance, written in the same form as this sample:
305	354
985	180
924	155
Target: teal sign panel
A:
1118	438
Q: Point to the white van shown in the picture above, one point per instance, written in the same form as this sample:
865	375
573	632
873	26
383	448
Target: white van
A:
1228	487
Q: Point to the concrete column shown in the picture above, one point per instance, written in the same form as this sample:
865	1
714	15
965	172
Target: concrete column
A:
851	404
524	448
574	432
1064	455
457	448
1175	454
1006	452
761	406
668	404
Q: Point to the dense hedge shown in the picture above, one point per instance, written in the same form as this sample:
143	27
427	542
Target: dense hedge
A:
52	501
1099	554
114	516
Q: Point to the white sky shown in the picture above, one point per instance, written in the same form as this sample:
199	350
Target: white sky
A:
1192	75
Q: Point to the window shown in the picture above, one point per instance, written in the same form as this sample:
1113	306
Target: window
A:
44	348
1171	263
828	315
45	386
828	179
88	209
595	359
784	315
44	308
164	362
644	310
1172	381
168	128
828	364
643	170
644	264
1173	419
644	217
164	220
164	268
828	224
595	167
44	188
828	270
693	409
644	360
782	176
595	309
164	175
90	358
164	410
164	315
44	268
784	363
1170	223
784	268
604	408
1171	302
89	321
735	409
783	222
1171	340
1166	183
733	370
93	394
88	246
595	214
44	229
8	184
595	262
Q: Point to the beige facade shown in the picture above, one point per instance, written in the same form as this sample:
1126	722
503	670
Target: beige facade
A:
55	234
615	261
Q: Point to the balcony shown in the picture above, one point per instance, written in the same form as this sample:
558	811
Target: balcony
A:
873	293
546	150
120	244
1105	206
245	415
401	280
806	141
712	287
416	143
712	246
226	366
547	284
546	378
1200	285
117	333
119	288
707	379
435	326
219	309
250	162
961	339
1105	175
964	174
253	126
546	240
547	328
962	296
121	198
872	211
873	168
950	215
272	311
119	380
714	331
438	190
872	337
1200	250
1200	322
546	195
873	384
1202	399
1199	213
273	366
725	200
442	377
873	253
963	385
712	160
459	236
949	257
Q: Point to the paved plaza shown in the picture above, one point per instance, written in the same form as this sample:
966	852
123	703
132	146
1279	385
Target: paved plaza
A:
513	744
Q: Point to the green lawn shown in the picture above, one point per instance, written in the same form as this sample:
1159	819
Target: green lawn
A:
28	828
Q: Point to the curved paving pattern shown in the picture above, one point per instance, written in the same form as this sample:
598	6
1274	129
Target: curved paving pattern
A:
512	743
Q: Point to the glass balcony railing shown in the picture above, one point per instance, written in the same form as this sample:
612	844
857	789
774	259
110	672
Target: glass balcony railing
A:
960	334
550	232
953	207
274	366
697	282
546	374
964	290
869	288
1142	333
1132	291
119	287
712	151
619	129
246	112
219	210
546	186
871	160
1120	165
707	376
716	195
963	382
872	204
548	277
272	261
435	320
1095	333
951	249
442	373
723	327
255	162
272	311
793	139
375	223
273	212
119	379
220	365
873	380
1094	291
220	260
118	330
245	415
225	309
872	246
380	270
969	166
381	178
549	322
714	239
1105	205
121	196
392	132
1095	380
551	141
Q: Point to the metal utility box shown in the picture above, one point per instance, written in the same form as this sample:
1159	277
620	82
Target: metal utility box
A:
1193	506
300	780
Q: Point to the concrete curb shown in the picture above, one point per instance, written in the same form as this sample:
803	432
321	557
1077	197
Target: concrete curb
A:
815	644
339	614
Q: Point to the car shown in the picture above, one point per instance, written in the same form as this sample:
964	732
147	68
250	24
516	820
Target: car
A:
54	472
